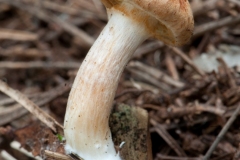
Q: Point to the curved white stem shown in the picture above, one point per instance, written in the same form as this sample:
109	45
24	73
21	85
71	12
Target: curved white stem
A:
87	131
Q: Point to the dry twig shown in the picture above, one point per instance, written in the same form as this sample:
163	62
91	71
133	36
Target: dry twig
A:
222	133
171	67
5	155
210	26
23	51
55	155
17	35
176	112
232	82
163	157
188	60
31	107
39	64
12	112
17	146
168	138
84	39
68	9
155	73
146	77
147	48
202	7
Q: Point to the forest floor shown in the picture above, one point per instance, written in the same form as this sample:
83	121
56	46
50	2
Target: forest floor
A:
191	93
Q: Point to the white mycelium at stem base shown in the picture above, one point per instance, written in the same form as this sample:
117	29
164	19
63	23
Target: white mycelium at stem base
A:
86	130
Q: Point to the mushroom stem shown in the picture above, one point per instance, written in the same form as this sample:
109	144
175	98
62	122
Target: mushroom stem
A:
86	129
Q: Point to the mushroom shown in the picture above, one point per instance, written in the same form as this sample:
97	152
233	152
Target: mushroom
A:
91	98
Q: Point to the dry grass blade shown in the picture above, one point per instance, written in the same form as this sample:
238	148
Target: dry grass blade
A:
31	107
17	35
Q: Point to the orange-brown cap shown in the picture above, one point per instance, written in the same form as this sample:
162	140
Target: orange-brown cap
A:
170	21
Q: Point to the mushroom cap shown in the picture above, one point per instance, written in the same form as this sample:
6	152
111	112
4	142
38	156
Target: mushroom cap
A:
170	21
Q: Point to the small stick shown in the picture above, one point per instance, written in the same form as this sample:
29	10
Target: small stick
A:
4	8
164	157
203	7
55	155
176	112
71	11
17	146
188	60
127	91
237	153
146	77
231	81
21	51
156	73
235	1
5	155
17	35
31	107
147	48
168	138
210	26
83	38
222	133
87	5
204	42
98	5
171	67
140	86
39	64
13	112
